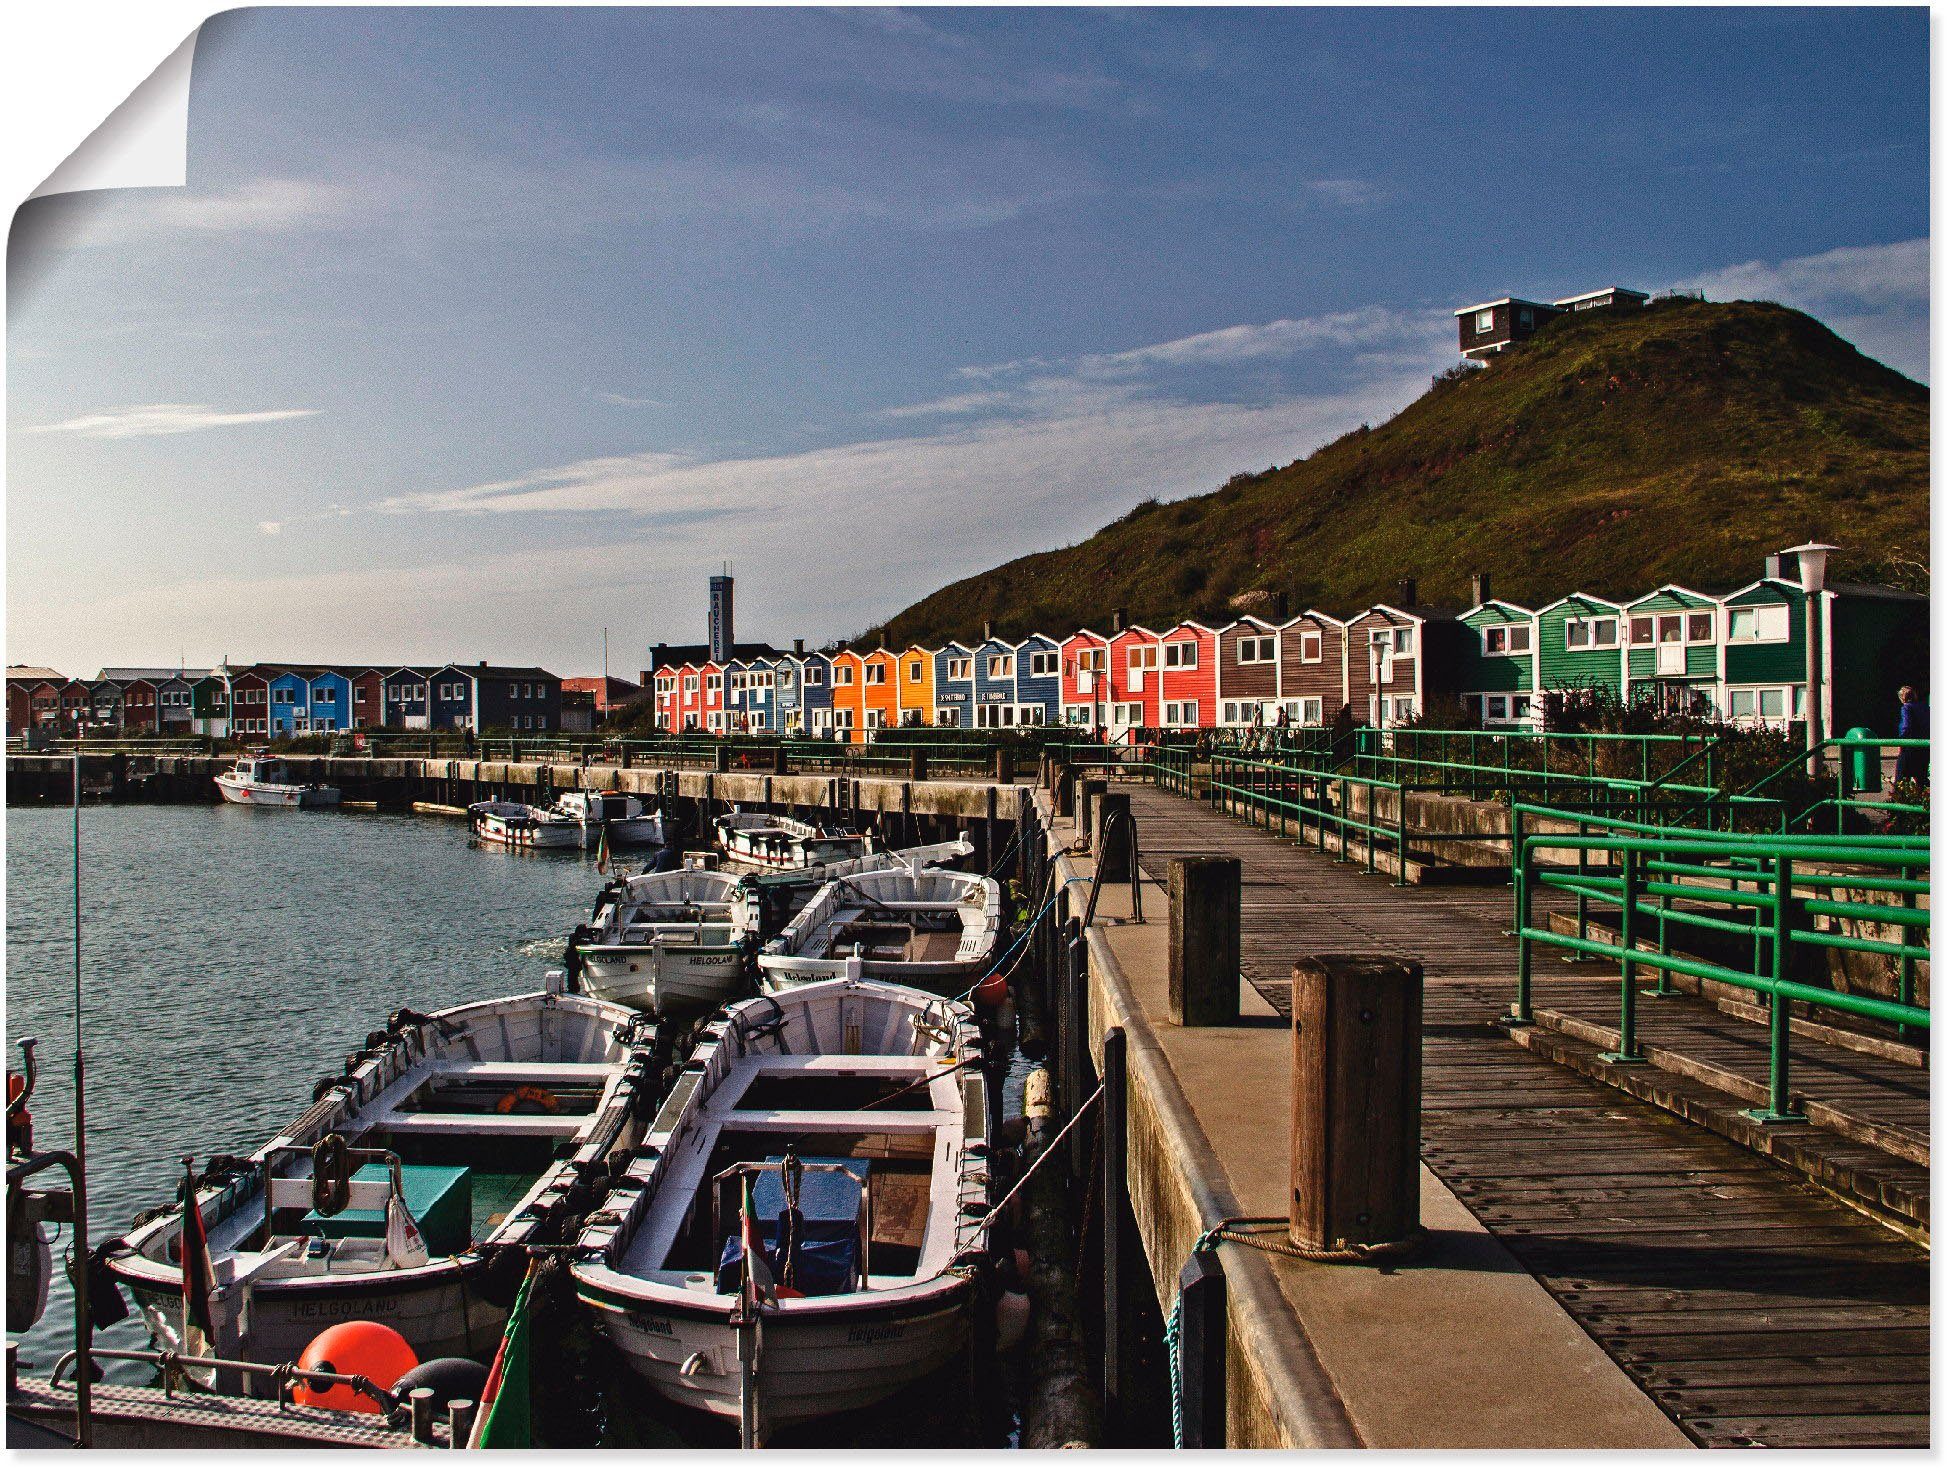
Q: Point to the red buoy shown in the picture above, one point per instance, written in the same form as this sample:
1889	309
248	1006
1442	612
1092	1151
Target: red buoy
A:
353	1348
992	991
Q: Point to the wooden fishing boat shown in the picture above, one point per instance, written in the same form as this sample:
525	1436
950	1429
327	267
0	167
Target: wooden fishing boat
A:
676	942
485	1125
781	843
877	1094
530	827
261	780
933	929
615	816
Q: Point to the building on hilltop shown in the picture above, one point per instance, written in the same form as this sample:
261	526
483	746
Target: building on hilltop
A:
1490	327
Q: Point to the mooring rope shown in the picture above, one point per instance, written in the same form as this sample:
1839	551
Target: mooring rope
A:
1050	1148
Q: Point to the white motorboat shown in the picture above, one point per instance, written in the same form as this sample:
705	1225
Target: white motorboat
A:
873	1095
617	816
510	823
486	1124
781	843
262	780
669	942
929	928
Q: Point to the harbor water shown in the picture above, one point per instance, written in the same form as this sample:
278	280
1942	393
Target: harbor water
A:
231	956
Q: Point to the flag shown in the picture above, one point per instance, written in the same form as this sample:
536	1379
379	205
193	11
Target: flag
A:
603	850
199	1336
405	1248
502	1420
757	1288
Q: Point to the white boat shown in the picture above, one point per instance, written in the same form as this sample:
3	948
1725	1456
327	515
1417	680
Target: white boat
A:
932	929
893	1199
781	843
261	780
626	819
484	1120
510	823
669	942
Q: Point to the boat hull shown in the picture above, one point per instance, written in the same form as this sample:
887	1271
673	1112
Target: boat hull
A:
275	797
812	1363
663	980
949	980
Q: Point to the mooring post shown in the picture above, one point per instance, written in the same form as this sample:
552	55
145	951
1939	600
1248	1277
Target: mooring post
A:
460	1422
1112	836
779	758
1006	766
918	765
1119	1346
1090	792
420	1402
1077	1045
1201	1360
1203	940
1067	791
721	757
1358	1100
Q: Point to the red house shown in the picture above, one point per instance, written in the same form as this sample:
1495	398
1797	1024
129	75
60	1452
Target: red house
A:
368	704
1083	660
1189	682
1133	700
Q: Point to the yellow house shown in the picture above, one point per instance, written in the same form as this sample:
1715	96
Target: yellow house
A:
915	690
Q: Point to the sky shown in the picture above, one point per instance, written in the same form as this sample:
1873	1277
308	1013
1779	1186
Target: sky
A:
478	332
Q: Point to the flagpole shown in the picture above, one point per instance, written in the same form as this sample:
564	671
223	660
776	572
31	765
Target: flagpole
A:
78	1278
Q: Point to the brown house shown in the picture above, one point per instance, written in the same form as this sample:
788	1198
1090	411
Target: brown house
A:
1314	683
1250	672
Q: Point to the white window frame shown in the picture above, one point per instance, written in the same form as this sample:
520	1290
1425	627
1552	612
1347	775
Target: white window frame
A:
1000	665
1258	649
1769	623
915	671
1499	639
962	670
1485	321
948	717
1182	652
1309	639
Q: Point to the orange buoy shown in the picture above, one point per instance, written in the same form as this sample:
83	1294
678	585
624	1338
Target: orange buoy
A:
992	991
353	1348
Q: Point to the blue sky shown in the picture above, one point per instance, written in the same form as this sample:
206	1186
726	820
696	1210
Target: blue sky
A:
479	330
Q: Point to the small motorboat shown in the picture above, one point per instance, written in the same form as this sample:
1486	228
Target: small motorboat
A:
781	843
406	1193
617	816
262	780
932	929
855	1115
676	942
510	823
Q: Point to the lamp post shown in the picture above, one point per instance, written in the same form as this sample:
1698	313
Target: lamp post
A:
1811	560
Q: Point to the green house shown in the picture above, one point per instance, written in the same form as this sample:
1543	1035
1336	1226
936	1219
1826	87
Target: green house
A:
210	705
1878	638
1764	656
1581	648
1496	675
1674	650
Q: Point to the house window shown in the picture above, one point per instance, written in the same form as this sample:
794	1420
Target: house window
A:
1640	631
877	673
1311	647
1077	714
1182	655
1254	650
1483	321
949	718
915	672
325	695
691	683
843	718
1094	660
1232	712
961	670
874	719
1592	632
1309	712
1137	659
1128	715
1393	640
1508	640
1758	624
1182	715
815	677
1043	665
715	683
1002	665
359	695
1701	626
1524	316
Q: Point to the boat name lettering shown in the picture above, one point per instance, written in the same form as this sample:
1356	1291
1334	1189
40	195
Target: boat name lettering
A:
651	1324
868	1335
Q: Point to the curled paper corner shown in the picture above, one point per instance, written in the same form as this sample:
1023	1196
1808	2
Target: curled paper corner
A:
142	144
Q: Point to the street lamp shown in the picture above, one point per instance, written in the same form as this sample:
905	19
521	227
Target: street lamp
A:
1811	560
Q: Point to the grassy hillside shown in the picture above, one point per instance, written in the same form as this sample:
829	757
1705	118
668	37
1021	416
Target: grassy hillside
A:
1615	451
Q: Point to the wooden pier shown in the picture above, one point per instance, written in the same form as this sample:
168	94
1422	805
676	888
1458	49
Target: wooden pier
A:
1616	1258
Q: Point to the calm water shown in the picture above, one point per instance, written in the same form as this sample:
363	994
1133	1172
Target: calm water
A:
232	956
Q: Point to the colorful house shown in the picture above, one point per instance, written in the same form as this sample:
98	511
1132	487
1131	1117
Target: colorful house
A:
1581	653
1039	680
1314	676
331	700
995	684
817	695
1248	688
406	699
1189	677
1764	670
880	691
711	697
1498	663
1401	659
1873	640
173	705
664	699
522	699
915	688
849	707
1673	652
104	705
368	697
210	705
955	686
1133	702
1085	657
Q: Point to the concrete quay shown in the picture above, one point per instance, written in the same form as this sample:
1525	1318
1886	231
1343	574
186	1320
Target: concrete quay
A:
1430	1353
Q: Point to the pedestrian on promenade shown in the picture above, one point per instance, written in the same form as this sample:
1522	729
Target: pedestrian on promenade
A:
1914	722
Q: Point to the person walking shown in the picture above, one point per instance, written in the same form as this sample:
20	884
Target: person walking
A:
1914	722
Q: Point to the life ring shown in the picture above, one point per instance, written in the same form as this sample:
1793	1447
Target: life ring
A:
536	1096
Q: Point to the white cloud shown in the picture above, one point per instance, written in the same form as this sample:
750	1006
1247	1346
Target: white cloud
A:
1271	339
1344	193
624	400
954	405
153	419
271	527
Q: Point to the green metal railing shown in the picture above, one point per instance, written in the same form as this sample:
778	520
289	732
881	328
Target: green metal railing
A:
1270	794
1763	889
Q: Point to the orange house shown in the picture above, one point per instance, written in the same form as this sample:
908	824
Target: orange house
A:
915	690
881	682
850	709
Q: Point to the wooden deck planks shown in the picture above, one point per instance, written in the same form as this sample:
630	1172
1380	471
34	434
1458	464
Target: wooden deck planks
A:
1751	1306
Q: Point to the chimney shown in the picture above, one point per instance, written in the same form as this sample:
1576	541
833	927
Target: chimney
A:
1779	566
1480	588
989	629
482	664
799	647
881	640
1281	606
1118	619
1406	592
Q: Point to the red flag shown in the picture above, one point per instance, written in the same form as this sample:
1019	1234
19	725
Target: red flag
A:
198	1277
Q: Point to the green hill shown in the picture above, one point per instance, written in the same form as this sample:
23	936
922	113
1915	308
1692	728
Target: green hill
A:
1615	451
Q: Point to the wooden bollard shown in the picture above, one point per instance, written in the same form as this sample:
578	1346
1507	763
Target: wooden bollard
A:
1067	791
1358	1087
1005	766
779	759
1089	792
918	765
1203	940
721	758
1112	835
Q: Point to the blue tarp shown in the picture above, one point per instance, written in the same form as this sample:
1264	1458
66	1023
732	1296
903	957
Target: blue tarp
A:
827	1261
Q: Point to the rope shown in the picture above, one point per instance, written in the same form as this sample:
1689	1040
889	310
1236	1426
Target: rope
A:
1230	1229
1050	1150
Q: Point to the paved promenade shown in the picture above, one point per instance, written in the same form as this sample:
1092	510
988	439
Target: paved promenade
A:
1593	1252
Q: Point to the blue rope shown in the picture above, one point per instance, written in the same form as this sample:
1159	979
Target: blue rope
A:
1201	1244
1028	928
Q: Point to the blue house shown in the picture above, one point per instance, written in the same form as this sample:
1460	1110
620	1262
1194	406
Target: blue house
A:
786	708
955	687
289	694
996	684
450	698
1038	680
331	698
749	695
403	698
816	675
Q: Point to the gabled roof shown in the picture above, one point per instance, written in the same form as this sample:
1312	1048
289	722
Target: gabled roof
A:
1501	301
1663	589
1585	597
1496	601
27	672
